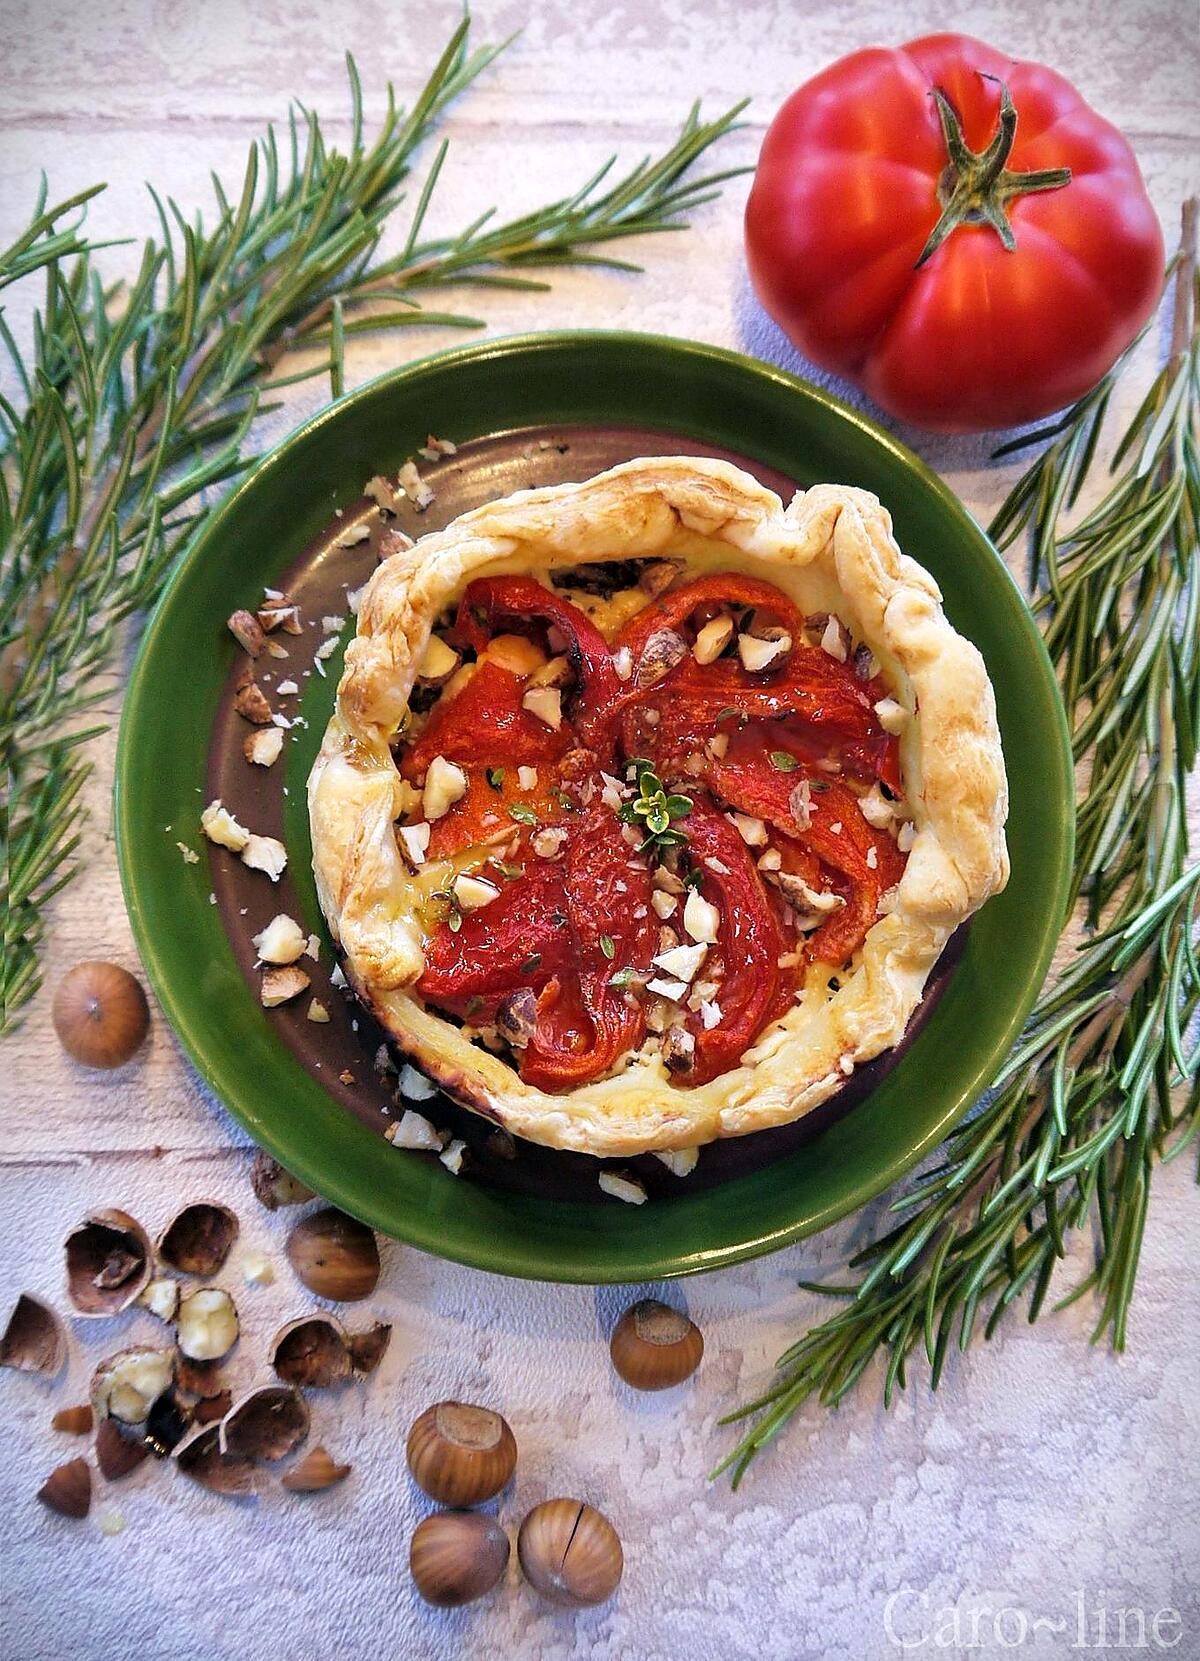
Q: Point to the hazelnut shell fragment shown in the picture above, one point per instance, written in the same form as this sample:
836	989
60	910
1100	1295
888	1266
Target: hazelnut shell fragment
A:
335	1256
275	1187
199	1378
109	1262
200	1238
570	1553
116	1453
457	1556
201	1459
266	1424
73	1421
314	1472
68	1490
368	1348
312	1352
654	1346
211	1408
461	1454
34	1340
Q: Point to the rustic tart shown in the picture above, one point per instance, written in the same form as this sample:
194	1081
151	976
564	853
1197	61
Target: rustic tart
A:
648	805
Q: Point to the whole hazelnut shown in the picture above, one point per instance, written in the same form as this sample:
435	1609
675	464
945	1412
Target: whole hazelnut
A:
460	1454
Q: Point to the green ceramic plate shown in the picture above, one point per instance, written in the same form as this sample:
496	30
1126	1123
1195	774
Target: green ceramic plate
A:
612	386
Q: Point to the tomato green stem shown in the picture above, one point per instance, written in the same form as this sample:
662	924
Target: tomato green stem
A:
977	186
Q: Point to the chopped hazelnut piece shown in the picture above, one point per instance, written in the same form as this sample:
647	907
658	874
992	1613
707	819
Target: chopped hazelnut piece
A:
545	703
263	747
445	784
247	631
219	825
438	662
679	1161
893	717
265	853
251	704
416	842
624	1188
413	1130
712	639
280	986
833	640
282	941
701	919
757	654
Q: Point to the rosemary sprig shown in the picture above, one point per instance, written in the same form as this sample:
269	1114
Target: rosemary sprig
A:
1089	1100
137	400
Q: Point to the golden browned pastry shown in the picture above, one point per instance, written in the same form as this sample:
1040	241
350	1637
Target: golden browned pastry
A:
647	805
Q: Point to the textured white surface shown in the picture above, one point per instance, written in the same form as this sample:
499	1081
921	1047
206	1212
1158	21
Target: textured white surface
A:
1042	1474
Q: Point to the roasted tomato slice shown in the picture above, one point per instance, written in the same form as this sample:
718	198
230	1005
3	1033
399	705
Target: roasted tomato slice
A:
551	931
747	949
484	724
705	597
824	815
518	601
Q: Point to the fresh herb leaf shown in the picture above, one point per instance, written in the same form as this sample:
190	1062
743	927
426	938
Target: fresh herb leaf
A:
783	762
608	946
532	963
623	977
523	814
495	777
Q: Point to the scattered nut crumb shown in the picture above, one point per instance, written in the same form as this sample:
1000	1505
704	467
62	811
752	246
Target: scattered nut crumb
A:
190	856
317	1011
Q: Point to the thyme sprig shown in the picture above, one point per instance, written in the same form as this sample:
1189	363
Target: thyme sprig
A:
136	401
1104	1082
654	809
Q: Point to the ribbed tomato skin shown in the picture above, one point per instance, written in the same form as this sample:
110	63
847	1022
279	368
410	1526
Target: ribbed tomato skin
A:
846	194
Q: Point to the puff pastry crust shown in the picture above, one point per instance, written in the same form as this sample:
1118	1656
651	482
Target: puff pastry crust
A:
831	549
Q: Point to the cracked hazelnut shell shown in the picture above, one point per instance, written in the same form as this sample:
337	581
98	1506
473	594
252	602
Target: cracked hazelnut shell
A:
457	1556
34	1340
266	1424
368	1348
654	1346
274	1186
126	1385
461	1454
73	1421
570	1553
116	1453
335	1256
100	1014
68	1490
201	1459
199	1239
312	1352
316	1471
109	1262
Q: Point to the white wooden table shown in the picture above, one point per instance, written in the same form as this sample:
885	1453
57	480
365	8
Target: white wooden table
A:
1046	1480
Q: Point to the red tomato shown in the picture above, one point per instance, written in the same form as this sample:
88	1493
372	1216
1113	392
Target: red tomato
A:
971	261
